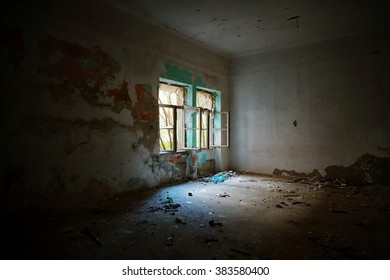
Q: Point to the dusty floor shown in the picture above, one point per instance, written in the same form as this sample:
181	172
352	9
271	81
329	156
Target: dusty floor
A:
245	217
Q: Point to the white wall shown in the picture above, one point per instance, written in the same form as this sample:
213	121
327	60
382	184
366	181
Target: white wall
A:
338	91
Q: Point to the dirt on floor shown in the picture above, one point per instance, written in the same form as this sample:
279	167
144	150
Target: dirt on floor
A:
245	217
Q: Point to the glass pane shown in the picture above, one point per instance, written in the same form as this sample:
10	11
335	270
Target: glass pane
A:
166	139
204	139
190	118
179	131
166	117
191	124
205	119
221	120
171	94
220	138
204	100
190	138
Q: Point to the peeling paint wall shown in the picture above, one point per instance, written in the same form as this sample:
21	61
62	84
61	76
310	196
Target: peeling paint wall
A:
79	103
311	106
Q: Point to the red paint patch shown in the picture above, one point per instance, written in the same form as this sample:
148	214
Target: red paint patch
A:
74	66
120	94
146	109
193	158
175	159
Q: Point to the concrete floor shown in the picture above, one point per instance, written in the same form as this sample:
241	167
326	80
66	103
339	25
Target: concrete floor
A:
246	217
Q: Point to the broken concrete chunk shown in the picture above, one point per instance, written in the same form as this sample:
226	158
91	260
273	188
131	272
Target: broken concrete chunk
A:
213	223
224	195
169	241
171	206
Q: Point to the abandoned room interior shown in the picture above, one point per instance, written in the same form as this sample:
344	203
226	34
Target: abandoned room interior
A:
145	129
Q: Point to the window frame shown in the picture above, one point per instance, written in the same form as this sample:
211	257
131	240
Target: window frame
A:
179	129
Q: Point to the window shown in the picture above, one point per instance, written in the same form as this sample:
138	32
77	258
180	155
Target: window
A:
184	127
170	100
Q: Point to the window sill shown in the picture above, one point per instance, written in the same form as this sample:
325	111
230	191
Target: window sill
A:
184	151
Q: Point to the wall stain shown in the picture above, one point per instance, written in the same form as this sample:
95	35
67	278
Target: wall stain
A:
174	159
136	183
68	65
145	115
121	97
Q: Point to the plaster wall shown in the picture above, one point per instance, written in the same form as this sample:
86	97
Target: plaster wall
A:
79	83
312	105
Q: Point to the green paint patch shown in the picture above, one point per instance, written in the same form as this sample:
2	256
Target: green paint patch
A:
202	159
137	183
177	73
199	82
148	89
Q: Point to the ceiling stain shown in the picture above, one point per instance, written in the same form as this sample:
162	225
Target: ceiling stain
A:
296	18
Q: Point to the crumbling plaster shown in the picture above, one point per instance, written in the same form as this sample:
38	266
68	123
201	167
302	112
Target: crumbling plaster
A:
79	103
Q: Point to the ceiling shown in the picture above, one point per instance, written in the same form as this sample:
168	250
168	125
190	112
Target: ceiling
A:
243	27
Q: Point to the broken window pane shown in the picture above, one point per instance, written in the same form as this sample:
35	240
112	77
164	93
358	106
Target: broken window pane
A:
166	139
204	100
191	128
166	128
220	129
171	95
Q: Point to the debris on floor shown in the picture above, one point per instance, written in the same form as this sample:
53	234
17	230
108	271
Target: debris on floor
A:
367	169
224	221
213	223
224	195
219	177
171	206
169	241
180	221
92	236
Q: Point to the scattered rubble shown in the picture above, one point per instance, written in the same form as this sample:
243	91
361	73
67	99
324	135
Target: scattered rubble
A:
219	177
213	223
224	195
180	221
92	236
169	241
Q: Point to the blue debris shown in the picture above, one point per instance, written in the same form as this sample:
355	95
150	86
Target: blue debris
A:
222	176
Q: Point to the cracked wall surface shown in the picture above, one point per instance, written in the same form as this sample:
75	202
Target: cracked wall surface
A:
79	104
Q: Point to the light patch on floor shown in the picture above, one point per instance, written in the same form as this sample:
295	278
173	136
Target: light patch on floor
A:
246	217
